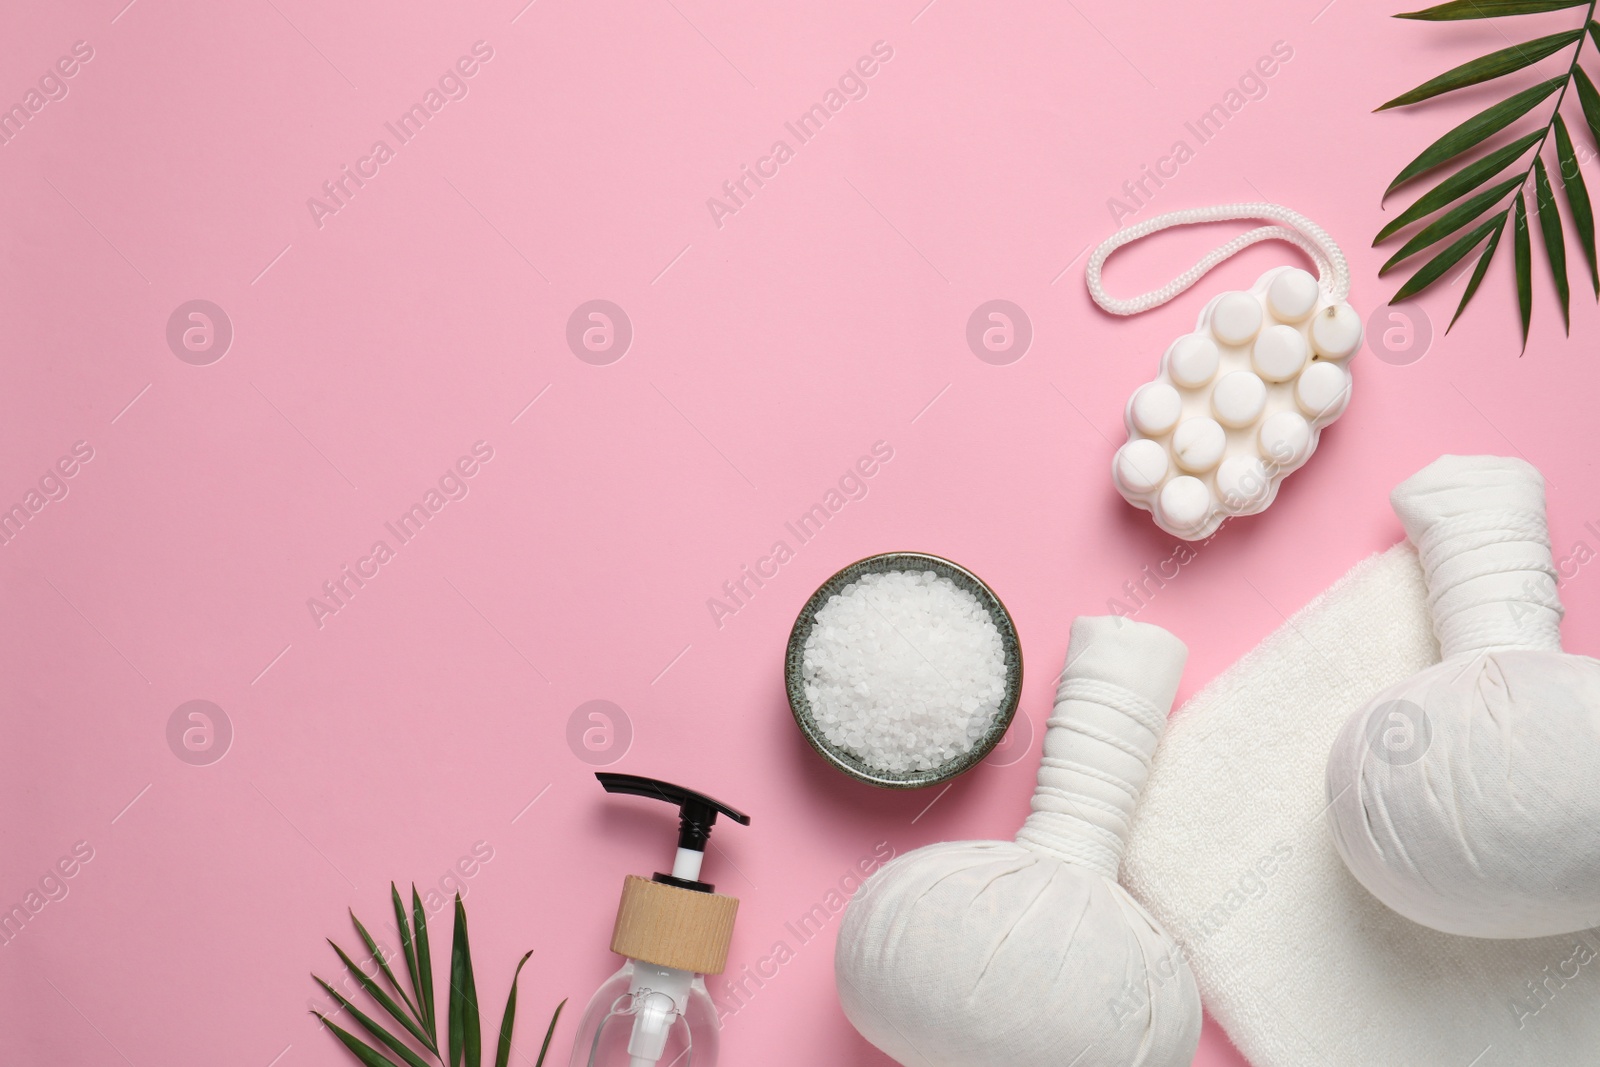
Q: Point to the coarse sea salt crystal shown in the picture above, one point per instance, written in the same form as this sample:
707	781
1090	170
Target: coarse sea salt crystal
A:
904	670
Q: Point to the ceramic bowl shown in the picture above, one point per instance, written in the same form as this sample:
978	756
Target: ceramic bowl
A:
853	765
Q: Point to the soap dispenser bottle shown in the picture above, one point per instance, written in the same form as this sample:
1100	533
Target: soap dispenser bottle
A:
673	929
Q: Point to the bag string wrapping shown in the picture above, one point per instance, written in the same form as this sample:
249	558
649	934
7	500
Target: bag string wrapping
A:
1109	714
1484	544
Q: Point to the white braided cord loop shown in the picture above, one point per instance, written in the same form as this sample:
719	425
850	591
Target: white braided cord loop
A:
1332	271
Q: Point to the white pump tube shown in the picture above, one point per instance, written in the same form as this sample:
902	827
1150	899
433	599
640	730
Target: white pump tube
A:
686	864
660	997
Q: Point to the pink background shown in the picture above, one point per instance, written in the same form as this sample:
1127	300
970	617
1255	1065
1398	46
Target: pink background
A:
768	354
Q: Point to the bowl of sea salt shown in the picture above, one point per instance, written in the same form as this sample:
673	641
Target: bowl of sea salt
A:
903	670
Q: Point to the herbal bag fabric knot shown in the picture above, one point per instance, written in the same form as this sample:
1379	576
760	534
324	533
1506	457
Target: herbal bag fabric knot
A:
1240	402
1027	953
1467	798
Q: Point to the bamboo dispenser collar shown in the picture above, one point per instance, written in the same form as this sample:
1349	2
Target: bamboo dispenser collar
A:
676	920
673	927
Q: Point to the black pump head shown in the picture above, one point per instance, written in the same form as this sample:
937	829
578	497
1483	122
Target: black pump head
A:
697	814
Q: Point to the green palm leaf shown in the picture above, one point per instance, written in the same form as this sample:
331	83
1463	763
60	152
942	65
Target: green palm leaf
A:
508	1018
1488	9
1522	257
1577	199
1555	244
371	1026
1461	199
1462	181
1475	130
466	1039
1450	222
383	966
550	1031
363	1051
1480	270
419	936
1434	269
465	1045
376	992
1588	98
1487	68
408	950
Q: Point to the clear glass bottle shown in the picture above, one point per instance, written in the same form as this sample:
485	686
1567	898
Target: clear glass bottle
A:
648	1016
672	929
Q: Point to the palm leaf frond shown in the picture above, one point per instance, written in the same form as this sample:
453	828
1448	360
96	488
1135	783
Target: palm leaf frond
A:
1450	222
373	990
419	937
550	1031
373	1027
508	1018
1523	259
1474	194
1480	270
1434	269
408	949
1577	199
1476	130
1588	99
1488	9
415	1011
1555	245
1487	68
359	1048
383	966
1462	181
466	1037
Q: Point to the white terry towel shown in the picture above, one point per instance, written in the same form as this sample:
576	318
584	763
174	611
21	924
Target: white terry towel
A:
1231	850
